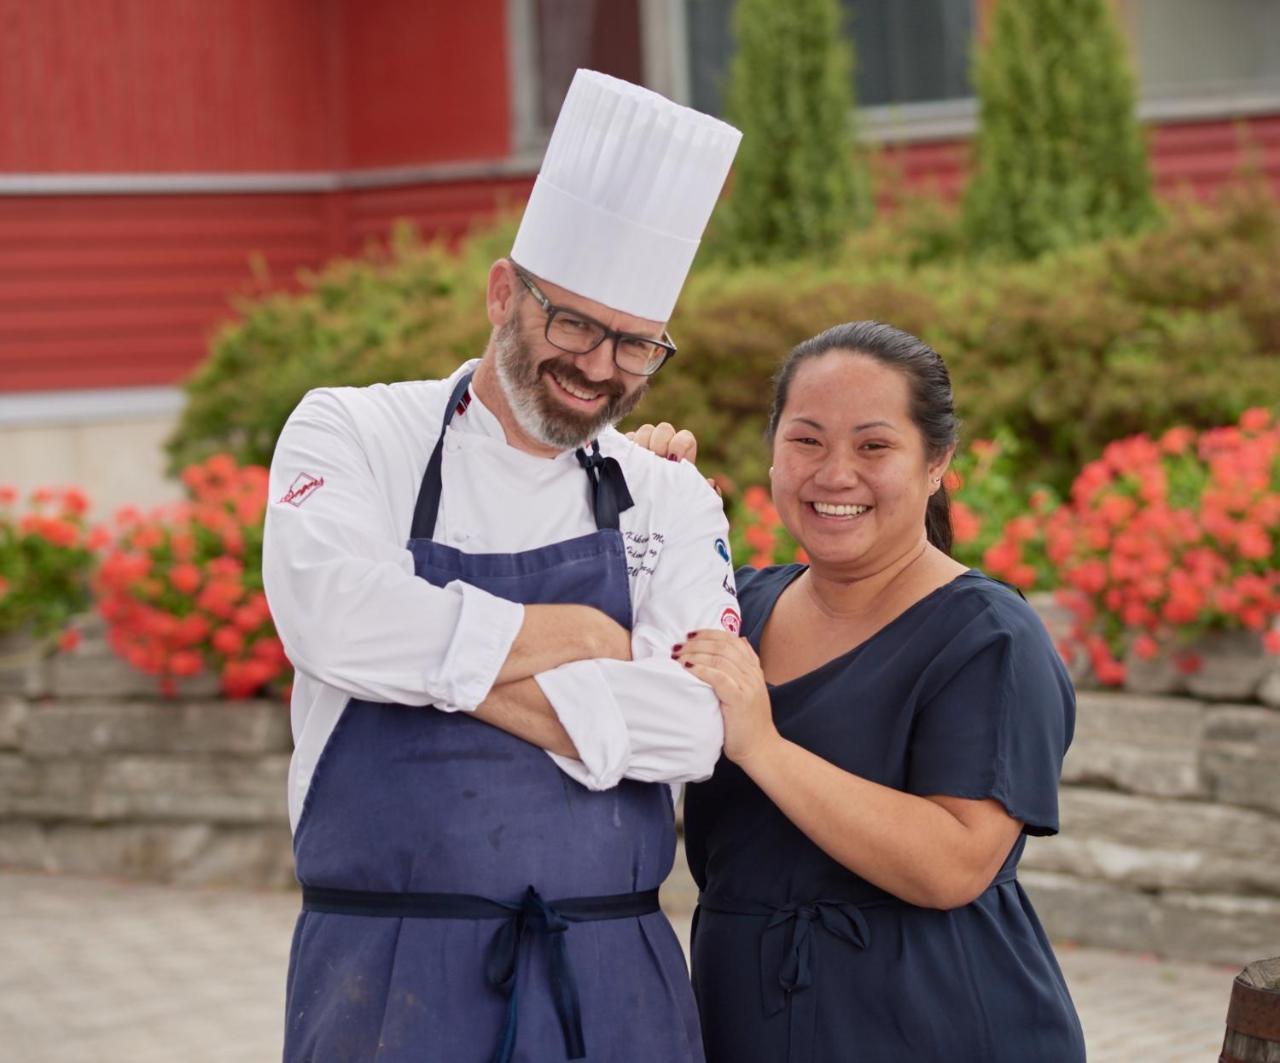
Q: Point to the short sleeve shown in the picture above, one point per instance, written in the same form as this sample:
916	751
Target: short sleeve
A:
998	724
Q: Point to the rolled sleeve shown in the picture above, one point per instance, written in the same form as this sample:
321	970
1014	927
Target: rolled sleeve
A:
580	695
648	719
487	626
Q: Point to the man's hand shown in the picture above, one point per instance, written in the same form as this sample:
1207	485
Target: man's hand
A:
552	635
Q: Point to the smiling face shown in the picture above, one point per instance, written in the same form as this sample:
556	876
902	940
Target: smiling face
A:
560	400
851	476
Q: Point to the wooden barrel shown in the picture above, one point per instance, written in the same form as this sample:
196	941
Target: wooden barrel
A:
1253	1016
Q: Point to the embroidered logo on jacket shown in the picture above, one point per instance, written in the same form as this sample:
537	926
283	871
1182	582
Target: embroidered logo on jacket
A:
722	548
731	621
303	487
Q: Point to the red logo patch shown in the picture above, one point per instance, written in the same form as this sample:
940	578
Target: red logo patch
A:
731	621
303	487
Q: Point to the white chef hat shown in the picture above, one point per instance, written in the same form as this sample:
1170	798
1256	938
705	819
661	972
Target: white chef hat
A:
625	189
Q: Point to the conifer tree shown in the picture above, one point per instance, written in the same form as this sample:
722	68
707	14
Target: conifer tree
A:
797	185
1059	157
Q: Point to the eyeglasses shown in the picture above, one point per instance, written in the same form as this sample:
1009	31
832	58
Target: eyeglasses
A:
576	333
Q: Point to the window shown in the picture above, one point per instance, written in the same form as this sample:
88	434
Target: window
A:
550	39
1204	48
908	51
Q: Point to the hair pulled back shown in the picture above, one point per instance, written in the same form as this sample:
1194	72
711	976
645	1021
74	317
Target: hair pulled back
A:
929	384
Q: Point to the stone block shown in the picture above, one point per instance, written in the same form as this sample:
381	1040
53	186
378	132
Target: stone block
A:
204	790
22	845
95	728
1203	927
1232	666
191	854
138	787
52	789
145	851
103	675
1157	676
1093	913
1219	929
1269	688
1160	843
1241	760
13	718
1145	745
23	671
241	856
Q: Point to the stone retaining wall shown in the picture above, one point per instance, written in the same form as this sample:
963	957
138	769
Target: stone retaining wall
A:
99	776
1170	806
1170	836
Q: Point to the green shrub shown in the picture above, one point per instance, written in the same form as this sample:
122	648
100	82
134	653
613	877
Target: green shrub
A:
1059	158
412	310
798	186
1179	325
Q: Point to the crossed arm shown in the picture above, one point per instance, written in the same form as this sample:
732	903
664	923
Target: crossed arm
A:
550	636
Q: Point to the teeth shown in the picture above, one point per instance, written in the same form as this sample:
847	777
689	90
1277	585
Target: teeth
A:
828	510
577	393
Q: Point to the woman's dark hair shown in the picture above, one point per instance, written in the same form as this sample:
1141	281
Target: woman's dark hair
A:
932	409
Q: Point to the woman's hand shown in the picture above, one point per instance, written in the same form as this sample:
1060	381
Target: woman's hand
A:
729	665
666	442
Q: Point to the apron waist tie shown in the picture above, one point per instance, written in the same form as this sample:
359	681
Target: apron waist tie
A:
786	962
532	915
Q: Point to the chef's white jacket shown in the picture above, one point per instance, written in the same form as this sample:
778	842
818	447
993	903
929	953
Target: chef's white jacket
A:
357	623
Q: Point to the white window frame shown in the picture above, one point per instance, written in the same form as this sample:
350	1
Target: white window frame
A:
665	49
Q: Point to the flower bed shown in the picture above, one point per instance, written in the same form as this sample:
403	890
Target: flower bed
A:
181	589
46	556
1166	554
1165	546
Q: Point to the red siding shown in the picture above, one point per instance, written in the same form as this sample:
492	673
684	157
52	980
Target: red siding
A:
91	86
1195	157
127	290
163	86
439	209
425	82
1200	156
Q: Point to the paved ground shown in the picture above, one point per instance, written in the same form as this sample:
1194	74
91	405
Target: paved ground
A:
101	971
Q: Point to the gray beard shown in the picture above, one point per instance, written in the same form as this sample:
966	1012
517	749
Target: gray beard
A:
526	395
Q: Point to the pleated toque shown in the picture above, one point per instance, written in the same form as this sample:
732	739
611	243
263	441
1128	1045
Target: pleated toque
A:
623	196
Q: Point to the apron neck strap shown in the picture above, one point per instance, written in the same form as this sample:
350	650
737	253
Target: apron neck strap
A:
428	507
609	493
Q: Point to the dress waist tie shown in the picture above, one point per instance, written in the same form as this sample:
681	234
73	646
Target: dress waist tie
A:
531	915
786	960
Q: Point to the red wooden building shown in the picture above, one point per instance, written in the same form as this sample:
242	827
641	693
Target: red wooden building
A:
150	149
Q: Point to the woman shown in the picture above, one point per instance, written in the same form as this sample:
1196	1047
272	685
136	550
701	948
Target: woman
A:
894	727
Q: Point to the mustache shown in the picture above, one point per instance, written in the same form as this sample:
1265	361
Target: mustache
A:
568	372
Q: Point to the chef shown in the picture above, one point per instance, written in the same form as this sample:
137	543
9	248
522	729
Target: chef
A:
480	582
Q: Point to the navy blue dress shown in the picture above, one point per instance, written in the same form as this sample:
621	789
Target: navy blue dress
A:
797	959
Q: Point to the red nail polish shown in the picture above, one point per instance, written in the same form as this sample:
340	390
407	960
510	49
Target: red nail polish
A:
677	647
688	664
692	635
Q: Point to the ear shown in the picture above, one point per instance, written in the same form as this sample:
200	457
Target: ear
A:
938	469
500	298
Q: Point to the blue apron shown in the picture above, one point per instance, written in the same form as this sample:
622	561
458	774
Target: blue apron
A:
465	901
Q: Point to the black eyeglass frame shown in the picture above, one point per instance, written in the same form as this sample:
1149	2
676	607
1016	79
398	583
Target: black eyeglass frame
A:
551	310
